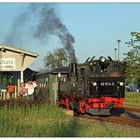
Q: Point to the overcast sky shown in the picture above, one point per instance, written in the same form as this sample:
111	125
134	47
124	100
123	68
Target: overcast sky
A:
96	27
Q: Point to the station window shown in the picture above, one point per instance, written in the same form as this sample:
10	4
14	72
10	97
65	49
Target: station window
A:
5	78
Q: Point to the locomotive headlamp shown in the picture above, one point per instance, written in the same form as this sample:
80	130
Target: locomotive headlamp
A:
91	63
59	75
121	83
94	84
102	59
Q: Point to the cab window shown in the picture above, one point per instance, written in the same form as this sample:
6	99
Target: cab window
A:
93	68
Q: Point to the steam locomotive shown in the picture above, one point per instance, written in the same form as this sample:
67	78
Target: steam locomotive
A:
96	87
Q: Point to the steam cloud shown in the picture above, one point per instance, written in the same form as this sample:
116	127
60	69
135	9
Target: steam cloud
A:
46	22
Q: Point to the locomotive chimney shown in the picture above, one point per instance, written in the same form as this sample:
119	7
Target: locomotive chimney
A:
73	69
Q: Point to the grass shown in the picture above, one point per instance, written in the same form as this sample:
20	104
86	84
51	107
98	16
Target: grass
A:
132	99
46	120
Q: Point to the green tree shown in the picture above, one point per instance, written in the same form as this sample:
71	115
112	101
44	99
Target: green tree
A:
132	59
57	58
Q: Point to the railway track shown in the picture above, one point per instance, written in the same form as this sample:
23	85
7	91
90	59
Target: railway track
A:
113	119
131	109
125	119
130	117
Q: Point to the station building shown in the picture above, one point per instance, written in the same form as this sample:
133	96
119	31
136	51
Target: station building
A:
14	65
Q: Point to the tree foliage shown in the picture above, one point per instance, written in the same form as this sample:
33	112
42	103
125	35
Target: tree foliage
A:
132	59
57	58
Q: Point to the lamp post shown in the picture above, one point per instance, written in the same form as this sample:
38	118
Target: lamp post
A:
118	49
115	49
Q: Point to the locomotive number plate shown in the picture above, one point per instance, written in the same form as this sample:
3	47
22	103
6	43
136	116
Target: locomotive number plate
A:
107	84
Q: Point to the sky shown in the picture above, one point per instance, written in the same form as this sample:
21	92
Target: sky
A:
96	27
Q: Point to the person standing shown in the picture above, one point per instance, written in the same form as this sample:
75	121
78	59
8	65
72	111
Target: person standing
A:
31	89
10	90
23	90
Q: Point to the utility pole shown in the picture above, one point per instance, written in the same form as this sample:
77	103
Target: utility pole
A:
115	49
118	49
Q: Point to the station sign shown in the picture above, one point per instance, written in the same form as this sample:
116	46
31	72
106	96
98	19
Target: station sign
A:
7	64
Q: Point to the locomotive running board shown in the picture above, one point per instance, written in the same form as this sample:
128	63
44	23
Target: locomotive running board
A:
113	111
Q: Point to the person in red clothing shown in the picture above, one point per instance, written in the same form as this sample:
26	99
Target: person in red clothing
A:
10	90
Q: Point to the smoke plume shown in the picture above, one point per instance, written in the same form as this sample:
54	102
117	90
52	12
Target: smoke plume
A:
46	22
